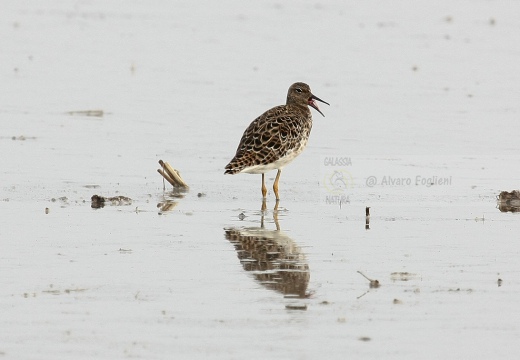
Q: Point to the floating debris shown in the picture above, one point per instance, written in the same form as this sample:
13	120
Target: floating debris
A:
59	292
296	307
509	201
47	210
95	113
499	282
19	138
373	283
63	199
92	186
100	201
402	276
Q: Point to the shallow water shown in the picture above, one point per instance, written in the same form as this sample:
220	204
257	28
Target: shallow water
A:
417	98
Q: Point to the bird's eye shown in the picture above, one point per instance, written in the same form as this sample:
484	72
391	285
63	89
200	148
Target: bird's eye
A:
298	90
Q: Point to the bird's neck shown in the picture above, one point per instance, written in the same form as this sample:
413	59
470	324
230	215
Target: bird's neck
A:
303	108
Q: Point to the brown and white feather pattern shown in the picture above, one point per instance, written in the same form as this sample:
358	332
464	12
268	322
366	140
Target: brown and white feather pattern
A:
280	133
276	137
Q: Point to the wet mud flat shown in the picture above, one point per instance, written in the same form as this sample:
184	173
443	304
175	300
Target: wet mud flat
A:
208	277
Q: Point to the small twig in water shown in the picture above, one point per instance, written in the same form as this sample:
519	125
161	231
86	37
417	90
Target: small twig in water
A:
372	283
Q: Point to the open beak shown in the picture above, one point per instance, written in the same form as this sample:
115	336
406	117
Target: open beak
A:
313	103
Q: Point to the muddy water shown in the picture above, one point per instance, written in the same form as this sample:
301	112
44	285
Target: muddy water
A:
95	95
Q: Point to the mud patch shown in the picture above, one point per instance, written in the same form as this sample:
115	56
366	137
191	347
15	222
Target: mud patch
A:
101	201
509	201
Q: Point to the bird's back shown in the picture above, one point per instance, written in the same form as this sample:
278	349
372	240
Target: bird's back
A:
276	134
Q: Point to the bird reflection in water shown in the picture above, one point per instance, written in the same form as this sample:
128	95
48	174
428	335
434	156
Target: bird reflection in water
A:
271	256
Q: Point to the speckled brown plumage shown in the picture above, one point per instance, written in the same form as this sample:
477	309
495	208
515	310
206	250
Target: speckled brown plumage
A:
277	136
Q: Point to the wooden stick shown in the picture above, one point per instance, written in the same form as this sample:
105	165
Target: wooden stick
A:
173	174
167	177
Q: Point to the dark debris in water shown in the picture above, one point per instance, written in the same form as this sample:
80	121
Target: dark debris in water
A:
373	283
101	201
455	290
509	201
95	113
92	186
22	138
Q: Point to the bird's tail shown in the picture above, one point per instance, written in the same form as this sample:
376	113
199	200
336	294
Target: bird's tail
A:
232	168
240	162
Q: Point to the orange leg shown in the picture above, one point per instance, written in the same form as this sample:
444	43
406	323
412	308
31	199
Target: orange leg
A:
275	185
264	188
